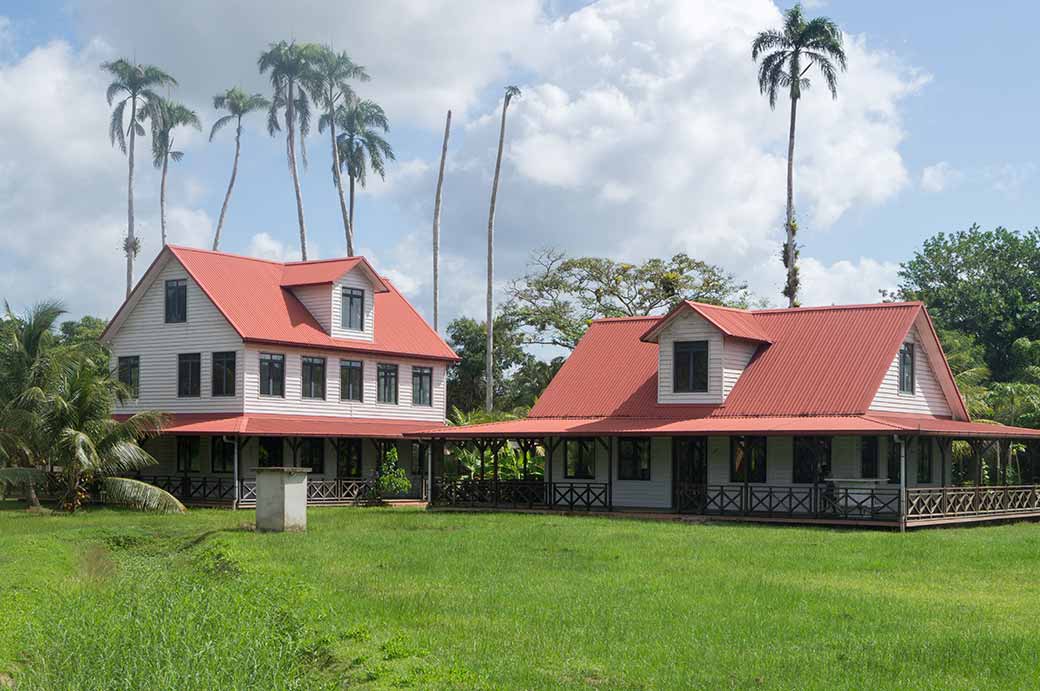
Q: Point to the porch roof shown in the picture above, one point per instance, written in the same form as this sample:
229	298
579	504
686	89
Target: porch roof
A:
272	425
704	426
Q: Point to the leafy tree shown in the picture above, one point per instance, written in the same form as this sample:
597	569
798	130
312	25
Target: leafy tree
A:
136	84
527	383
329	85
169	116
85	335
787	55
361	146
391	480
290	68
238	104
558	296
468	338
967	362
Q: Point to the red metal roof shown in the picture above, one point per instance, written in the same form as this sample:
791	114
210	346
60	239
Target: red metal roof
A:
736	323
273	425
250	293
325	271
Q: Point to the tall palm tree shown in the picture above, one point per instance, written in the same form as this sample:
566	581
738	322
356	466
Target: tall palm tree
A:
489	371
238	104
169	116
330	73
137	84
360	145
437	225
787	55
290	68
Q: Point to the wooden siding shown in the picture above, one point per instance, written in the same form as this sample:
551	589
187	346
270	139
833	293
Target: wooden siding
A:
928	396
294	404
689	327
355	278
736	355
145	334
318	301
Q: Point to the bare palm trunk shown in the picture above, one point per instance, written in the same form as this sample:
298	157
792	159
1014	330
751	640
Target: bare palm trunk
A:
437	225
130	239
290	140
348	225
30	495
489	373
351	201
791	290
231	185
162	197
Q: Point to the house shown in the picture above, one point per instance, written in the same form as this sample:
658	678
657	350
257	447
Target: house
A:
319	364
842	414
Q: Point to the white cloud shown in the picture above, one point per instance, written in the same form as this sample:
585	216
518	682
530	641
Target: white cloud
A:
846	282
1009	178
264	246
940	176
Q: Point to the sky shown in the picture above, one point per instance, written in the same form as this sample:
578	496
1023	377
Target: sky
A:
640	132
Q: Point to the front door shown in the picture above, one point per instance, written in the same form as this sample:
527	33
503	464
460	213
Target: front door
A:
689	473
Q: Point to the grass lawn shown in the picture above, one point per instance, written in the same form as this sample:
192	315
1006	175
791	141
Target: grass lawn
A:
401	598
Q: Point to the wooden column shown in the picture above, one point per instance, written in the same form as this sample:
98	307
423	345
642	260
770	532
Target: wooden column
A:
902	482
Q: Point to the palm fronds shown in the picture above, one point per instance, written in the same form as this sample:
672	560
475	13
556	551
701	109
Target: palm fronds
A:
138	495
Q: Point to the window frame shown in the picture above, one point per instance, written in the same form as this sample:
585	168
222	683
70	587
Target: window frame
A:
271	358
227	462
130	365
924	452
819	469
194	363
347	297
741	477
309	445
350	365
690	352
344	457
222	357
419	450
586	447
194	462
907	359
382	369
895	468
178	289
308	363
866	443
635	472
420	373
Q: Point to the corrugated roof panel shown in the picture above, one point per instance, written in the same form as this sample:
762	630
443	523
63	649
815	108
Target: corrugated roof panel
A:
271	424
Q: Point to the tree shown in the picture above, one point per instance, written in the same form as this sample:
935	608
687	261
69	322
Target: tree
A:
967	362
489	399
528	382
85	335
168	116
437	226
787	56
360	146
138	83
558	296
290	68
328	84
466	379
238	104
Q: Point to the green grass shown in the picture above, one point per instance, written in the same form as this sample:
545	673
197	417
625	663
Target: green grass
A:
399	598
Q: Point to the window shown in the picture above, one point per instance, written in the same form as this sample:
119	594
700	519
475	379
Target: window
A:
221	455
348	458
130	374
187	454
350	378
579	459
895	467
386	383
353	309
747	459
868	457
224	374
420	455
313	376
422	386
812	459
177	301
924	461
272	374
633	458
270	453
690	369
906	368
189	374
312	454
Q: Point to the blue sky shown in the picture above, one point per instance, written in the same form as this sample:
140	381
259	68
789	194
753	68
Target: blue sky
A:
640	133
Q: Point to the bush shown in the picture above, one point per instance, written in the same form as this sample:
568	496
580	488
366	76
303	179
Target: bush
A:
392	480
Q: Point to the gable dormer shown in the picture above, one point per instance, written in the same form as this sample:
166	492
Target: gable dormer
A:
702	350
339	294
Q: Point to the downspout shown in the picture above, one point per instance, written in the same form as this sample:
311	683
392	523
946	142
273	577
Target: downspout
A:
234	470
902	441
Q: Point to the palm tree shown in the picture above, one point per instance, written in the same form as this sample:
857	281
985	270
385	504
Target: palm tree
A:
489	400
137	82
787	56
330	73
360	144
238	104
169	116
437	224
290	68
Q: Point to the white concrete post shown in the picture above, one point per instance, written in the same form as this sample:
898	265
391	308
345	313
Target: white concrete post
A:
281	499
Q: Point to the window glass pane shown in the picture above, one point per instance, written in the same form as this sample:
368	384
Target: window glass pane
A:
924	460
812	459
313	375
633	458
270	452
129	369
348	458
906	368
422	386
350	378
353	309
189	374
747	459
272	374
176	300
224	374
690	366
895	467
187	454
312	454
868	457
386	379
420	455
580	459
222	455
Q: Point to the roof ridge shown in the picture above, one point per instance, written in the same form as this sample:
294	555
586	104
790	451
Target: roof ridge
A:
710	305
235	255
821	308
648	317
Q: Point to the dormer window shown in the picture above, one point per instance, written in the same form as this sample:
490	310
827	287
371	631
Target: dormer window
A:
906	368
690	371
353	309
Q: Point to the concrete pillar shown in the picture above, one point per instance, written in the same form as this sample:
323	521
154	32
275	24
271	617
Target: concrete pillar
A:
281	499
